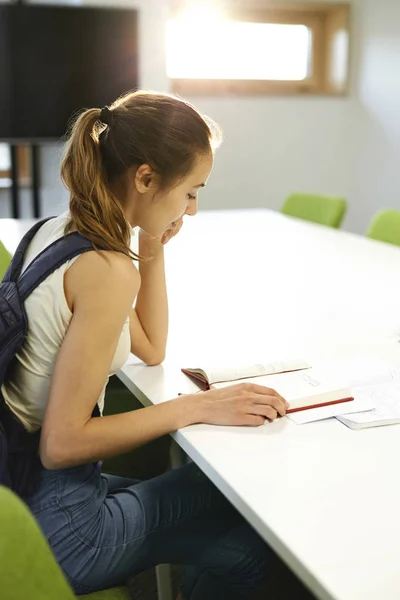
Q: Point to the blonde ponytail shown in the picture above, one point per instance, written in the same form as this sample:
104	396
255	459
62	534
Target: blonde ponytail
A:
95	211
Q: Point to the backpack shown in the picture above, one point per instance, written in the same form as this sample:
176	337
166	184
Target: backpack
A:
19	456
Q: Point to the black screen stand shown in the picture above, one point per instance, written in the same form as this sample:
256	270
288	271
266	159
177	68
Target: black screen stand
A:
15	212
15	186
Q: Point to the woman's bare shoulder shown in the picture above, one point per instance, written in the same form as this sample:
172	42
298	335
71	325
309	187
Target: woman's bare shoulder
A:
98	271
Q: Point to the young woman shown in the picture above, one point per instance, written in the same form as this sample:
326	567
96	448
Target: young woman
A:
140	162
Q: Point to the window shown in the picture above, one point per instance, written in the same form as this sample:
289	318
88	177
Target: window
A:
23	165
281	49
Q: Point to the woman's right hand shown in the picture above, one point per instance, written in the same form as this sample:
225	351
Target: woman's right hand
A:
241	404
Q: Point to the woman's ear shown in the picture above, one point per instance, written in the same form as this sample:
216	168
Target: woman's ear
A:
145	178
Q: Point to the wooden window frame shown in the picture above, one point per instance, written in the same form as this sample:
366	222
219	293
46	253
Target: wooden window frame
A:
24	167
324	20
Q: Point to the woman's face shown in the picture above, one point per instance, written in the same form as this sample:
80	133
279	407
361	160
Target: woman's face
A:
160	210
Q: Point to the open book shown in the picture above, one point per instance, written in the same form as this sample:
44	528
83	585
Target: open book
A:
302	386
209	375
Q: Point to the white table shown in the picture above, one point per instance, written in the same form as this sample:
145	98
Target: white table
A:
253	283
248	284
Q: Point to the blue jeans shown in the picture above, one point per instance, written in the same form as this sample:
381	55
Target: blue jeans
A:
104	529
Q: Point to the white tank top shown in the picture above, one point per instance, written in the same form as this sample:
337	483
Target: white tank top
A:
28	383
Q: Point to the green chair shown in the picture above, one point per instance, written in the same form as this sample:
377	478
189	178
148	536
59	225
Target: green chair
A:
5	259
385	226
28	567
325	210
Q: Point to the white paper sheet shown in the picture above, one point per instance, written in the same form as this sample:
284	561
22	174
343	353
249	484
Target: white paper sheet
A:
386	398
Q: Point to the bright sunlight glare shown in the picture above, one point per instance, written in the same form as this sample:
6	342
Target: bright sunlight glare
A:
201	44
202	14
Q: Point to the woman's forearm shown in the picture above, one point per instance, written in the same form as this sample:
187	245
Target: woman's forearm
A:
151	303
104	437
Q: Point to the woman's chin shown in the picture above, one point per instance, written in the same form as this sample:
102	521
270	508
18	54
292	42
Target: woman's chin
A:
157	232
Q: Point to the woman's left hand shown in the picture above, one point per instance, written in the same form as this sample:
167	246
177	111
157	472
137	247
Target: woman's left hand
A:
172	232
150	243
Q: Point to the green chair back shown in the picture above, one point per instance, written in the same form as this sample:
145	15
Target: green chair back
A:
385	226
5	259
325	210
28	567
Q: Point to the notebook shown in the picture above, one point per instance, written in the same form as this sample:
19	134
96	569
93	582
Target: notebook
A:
301	385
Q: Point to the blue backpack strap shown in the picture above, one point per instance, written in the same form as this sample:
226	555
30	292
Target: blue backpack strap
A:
50	259
14	270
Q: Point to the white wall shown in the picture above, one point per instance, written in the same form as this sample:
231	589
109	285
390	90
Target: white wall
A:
345	146
277	145
377	112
